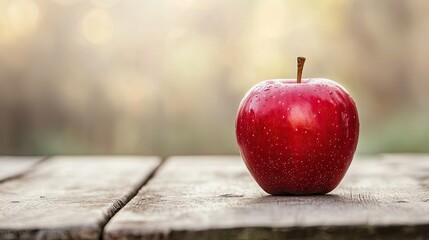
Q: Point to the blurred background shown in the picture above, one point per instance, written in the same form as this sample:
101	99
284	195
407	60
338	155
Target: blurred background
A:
166	77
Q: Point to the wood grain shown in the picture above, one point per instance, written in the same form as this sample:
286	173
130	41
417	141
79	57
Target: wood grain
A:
11	167
70	197
215	198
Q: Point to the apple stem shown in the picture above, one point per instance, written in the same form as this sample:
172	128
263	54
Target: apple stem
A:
301	61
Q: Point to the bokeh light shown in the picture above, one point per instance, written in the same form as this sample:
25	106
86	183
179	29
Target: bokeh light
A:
18	18
97	26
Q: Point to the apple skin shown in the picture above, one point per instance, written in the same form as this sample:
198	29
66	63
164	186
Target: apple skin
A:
297	138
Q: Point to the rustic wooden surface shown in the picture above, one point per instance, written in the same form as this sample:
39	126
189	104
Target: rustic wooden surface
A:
215	198
70	197
11	167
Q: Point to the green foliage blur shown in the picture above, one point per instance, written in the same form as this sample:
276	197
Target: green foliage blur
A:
166	77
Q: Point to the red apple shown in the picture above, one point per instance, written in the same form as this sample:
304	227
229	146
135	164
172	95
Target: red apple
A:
297	137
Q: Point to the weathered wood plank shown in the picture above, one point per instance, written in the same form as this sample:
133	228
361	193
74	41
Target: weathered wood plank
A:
70	197
11	167
215	198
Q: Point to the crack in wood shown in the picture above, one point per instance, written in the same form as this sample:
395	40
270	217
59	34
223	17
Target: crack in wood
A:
119	204
21	171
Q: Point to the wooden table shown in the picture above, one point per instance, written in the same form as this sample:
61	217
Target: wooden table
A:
203	197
